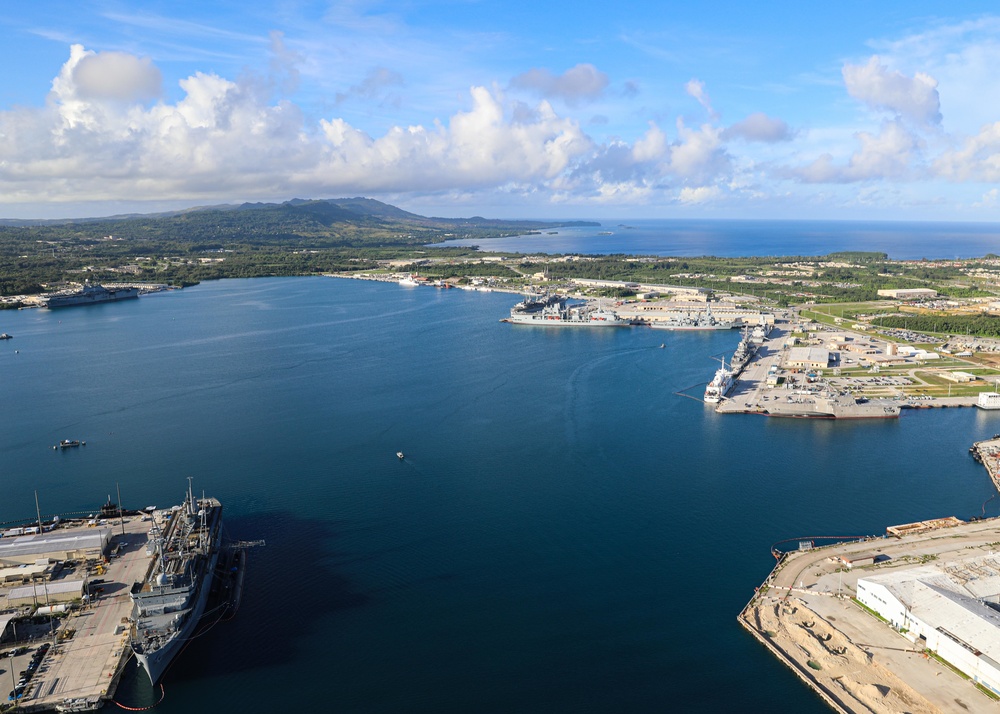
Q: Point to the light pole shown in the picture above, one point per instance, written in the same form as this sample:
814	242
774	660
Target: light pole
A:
13	682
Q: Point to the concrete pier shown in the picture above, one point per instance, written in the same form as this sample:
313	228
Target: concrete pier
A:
987	452
90	647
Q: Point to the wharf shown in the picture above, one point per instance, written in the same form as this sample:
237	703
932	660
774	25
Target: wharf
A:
831	397
987	452
804	614
90	647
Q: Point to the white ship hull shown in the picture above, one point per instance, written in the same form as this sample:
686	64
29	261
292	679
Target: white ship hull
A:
570	322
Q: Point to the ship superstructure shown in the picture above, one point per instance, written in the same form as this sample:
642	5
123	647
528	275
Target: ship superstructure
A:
718	388
89	294
184	545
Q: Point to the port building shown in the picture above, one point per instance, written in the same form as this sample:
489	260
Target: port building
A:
951	608
76	544
807	358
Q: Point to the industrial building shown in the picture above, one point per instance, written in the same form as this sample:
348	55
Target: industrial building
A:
908	293
807	358
951	608
959	377
76	544
44	593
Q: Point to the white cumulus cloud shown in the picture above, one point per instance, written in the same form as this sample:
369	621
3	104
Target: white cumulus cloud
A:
699	194
116	75
915	98
978	159
890	154
226	139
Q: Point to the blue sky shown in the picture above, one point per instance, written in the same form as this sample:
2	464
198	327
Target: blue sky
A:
631	109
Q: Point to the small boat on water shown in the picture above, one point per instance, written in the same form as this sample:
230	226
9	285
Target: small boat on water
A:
5	336
69	444
400	455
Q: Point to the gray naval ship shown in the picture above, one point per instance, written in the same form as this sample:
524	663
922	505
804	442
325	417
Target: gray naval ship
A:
89	294
701	321
185	543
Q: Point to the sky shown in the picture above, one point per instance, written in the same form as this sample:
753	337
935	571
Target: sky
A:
627	109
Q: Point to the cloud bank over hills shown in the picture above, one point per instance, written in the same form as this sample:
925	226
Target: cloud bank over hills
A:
117	127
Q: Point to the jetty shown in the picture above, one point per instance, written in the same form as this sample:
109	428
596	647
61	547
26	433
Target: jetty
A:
807	615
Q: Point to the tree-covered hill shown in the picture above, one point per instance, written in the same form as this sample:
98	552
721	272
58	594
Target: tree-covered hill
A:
290	238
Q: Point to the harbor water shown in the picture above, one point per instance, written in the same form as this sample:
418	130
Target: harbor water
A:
564	534
732	238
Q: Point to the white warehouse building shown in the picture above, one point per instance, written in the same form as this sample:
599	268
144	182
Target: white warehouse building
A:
952	609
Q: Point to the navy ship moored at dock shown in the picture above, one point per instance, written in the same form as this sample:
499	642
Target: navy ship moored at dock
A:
556	311
185	545
89	294
703	320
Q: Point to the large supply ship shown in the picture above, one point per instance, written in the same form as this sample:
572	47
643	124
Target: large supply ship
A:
703	320
556	311
89	295
830	406
167	606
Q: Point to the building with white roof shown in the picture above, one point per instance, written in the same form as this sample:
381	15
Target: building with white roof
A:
77	544
43	593
807	358
951	608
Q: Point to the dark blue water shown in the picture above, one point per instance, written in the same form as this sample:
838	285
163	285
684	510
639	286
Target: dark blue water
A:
565	533
734	238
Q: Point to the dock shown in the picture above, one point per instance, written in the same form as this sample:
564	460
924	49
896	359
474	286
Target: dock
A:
828	395
89	647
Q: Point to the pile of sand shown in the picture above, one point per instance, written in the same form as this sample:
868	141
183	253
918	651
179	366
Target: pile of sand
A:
844	669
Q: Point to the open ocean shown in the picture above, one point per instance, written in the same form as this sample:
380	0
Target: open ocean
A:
565	534
685	238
